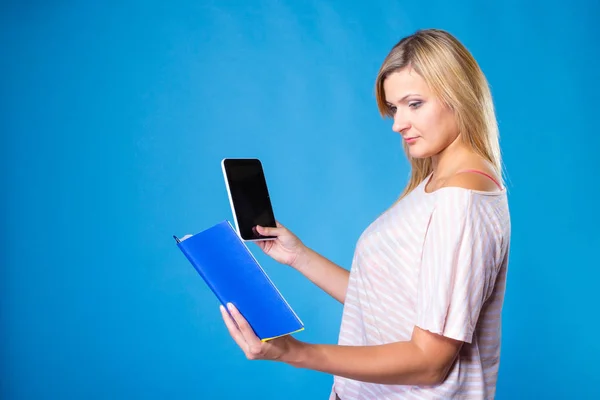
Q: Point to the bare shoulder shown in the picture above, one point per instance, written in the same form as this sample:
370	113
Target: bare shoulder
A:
473	181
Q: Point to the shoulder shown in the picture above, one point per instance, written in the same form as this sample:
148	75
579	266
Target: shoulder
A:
460	214
459	200
472	181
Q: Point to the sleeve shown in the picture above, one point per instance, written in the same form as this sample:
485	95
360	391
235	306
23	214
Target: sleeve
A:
456	264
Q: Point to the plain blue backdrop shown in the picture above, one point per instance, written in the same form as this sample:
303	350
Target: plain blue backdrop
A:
114	119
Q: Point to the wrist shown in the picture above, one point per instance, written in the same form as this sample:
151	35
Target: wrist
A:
302	260
298	353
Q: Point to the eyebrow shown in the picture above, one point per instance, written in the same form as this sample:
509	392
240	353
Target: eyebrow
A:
403	98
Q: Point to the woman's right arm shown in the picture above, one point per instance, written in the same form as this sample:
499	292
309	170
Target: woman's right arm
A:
288	249
327	275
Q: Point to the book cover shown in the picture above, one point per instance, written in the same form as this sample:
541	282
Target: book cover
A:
234	275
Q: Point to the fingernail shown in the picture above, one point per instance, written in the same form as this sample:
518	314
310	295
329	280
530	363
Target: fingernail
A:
230	306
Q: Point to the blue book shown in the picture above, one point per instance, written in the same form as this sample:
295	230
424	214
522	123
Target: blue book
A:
234	275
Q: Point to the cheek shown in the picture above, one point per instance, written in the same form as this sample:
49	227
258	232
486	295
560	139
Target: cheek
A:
429	122
438	125
438	129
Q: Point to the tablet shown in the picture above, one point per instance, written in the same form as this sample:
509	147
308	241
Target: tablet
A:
248	196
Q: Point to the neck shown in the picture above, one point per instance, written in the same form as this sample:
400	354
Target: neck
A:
448	161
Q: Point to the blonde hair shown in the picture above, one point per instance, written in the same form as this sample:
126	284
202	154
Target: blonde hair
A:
457	80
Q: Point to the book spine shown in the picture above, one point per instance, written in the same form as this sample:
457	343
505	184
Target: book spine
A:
197	267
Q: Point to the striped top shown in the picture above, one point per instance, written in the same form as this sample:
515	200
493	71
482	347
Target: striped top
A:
438	261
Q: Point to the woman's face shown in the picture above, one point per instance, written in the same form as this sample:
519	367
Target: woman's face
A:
426	124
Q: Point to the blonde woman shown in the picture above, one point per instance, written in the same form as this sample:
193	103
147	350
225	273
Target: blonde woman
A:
423	298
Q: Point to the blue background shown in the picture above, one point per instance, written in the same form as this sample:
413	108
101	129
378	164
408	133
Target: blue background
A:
114	119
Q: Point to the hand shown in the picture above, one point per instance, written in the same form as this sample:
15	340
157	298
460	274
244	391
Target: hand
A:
287	248
278	349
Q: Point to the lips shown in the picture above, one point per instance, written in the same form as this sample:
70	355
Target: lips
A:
410	139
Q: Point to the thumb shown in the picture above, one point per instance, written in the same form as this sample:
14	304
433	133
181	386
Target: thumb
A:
267	231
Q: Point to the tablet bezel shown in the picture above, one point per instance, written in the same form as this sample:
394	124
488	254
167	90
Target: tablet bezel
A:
231	202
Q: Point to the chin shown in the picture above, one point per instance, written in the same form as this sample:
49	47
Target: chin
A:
418	153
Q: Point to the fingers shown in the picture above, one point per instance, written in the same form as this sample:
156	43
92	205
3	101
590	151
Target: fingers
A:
233	329
244	327
252	345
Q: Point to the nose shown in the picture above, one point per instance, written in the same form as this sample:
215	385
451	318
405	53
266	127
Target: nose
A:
401	123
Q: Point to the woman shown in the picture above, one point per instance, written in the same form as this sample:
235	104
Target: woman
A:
423	298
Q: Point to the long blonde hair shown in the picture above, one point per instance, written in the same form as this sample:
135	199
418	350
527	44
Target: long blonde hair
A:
456	79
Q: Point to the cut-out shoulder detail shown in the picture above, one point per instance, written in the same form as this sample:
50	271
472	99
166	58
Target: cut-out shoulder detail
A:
482	173
481	183
472	182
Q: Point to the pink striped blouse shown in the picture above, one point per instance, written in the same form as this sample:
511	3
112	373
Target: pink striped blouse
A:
438	261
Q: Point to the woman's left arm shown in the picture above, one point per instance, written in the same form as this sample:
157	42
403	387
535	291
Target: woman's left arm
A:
424	360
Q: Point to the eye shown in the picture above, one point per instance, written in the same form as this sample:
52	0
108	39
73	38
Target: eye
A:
415	104
392	109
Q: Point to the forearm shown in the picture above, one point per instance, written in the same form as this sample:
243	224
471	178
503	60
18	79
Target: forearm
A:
401	363
327	275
